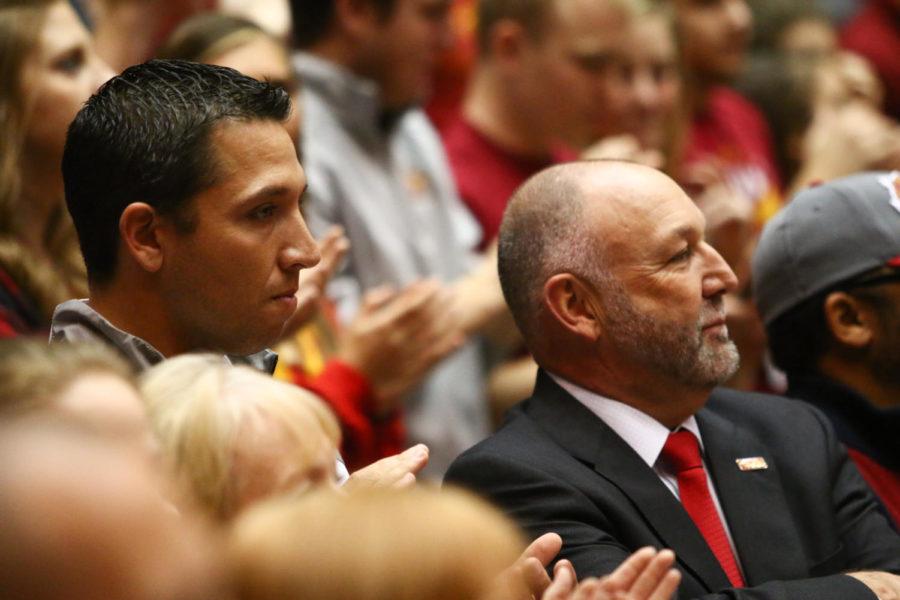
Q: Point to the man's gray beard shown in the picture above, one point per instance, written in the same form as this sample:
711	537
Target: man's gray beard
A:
679	352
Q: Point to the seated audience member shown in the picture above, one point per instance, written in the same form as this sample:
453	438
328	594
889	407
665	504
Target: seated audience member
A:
389	545
626	441
827	283
512	123
84	383
643	123
874	32
726	133
233	435
230	41
362	370
377	168
184	188
83	520
48	69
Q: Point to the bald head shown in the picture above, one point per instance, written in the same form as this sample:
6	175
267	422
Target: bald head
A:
604	264
548	226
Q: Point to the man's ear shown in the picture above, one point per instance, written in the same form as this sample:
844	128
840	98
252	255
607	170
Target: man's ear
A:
139	230
574	305
507	40
850	321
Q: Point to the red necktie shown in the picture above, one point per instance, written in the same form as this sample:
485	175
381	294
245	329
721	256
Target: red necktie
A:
683	452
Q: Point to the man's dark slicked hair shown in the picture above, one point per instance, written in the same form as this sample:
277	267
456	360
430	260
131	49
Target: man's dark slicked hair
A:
312	19
144	137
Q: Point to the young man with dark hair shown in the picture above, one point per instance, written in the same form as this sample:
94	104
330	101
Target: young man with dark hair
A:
826	279
185	190
185	194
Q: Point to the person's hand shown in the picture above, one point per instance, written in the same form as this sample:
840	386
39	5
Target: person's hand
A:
397	471
527	578
477	299
332	249
623	147
848	139
884	585
397	337
645	575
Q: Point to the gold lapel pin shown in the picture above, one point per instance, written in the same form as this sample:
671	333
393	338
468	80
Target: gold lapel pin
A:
752	463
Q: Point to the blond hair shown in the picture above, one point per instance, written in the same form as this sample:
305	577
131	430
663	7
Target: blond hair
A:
33	374
198	405
21	22
377	544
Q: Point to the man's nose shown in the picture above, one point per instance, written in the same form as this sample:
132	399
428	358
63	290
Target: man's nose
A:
718	277
300	250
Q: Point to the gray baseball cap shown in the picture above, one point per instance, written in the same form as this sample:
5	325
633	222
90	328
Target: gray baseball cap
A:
826	235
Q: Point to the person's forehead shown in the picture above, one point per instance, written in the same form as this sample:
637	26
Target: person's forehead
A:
641	212
596	22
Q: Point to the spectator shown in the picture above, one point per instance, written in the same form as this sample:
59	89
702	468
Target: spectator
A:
620	300
84	383
510	127
376	167
235	436
184	188
727	134
230	41
84	520
417	544
826	275
47	70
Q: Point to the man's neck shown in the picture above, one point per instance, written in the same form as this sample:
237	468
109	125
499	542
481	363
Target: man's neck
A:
492	112
667	402
138	313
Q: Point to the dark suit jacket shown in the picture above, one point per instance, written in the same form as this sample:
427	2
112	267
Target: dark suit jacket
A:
555	466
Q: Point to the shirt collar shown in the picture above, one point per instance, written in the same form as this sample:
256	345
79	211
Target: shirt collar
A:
643	433
77	321
356	100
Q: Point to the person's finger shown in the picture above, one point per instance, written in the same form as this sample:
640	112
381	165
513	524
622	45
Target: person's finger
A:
544	548
666	588
627	573
562	585
652	574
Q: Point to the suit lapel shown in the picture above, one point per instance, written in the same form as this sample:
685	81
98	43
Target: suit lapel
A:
590	440
753	501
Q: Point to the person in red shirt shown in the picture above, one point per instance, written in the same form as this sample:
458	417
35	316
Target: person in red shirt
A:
540	83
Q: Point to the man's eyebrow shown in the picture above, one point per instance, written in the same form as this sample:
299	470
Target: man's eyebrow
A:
680	233
269	191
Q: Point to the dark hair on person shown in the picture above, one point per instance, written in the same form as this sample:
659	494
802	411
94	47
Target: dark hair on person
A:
312	19
143	137
800	337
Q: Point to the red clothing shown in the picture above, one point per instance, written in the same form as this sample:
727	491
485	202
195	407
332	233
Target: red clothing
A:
875	33
347	392
18	313
487	174
454	65
731	133
884	482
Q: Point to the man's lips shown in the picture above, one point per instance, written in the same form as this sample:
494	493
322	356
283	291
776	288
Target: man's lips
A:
288	293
